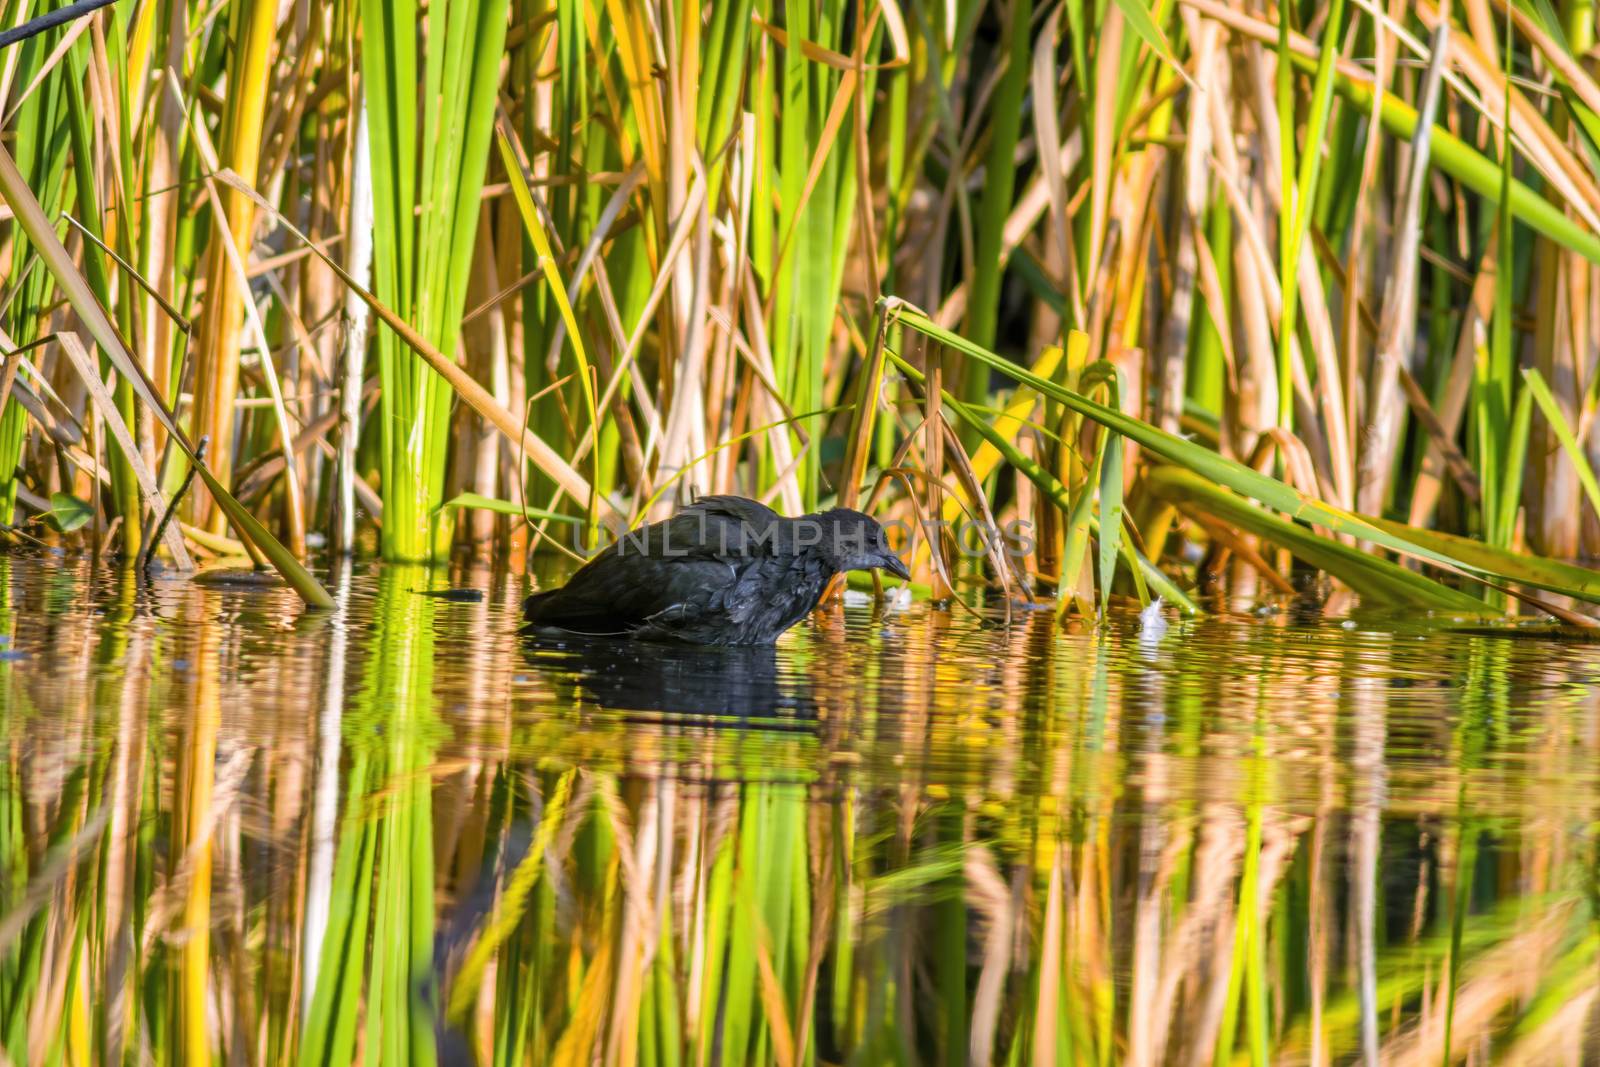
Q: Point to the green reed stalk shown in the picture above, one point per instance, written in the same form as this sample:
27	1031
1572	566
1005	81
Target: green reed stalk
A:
795	279
995	201
42	145
80	120
1299	183
1110	492
433	163
792	158
1284	93
1496	368
724	65
13	428
1205	378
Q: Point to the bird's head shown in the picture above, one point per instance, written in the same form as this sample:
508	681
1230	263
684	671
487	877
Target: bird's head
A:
856	542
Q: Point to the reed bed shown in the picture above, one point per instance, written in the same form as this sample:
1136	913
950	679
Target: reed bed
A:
1189	287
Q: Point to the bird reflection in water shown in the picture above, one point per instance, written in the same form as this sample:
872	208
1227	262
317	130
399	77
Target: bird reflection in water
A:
733	685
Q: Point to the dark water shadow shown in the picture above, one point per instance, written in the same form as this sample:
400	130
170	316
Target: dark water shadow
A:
733	686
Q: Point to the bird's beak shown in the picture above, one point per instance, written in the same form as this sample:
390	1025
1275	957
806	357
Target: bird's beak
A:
895	566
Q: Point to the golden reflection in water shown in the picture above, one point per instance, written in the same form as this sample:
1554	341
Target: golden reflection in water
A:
402	833
194	812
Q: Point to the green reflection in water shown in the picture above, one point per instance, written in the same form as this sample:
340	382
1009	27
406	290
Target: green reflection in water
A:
902	839
385	866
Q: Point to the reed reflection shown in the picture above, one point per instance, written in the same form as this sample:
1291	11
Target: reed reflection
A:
431	840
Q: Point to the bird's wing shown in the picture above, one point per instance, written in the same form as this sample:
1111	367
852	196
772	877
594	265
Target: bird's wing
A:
669	575
727	526
738	508
616	593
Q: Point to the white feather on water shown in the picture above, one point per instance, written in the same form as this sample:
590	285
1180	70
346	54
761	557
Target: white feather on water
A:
1152	623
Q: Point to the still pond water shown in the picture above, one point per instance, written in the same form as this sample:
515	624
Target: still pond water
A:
233	832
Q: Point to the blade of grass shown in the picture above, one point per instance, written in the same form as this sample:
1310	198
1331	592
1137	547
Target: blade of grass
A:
1554	576
506	507
1372	577
1534	382
541	245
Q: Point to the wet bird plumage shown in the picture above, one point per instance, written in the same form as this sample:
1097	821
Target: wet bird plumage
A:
722	571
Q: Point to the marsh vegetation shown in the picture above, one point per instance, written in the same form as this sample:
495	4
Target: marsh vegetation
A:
1276	322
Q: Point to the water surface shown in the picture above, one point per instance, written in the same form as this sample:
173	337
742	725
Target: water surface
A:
402	832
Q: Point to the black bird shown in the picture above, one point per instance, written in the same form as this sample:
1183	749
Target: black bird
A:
723	571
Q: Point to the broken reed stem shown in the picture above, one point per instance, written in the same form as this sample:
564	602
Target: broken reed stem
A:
148	555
